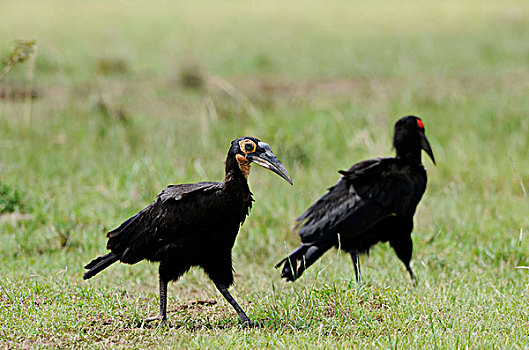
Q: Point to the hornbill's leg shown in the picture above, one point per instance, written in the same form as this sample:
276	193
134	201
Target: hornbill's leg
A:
162	316
224	291
412	275
403	246
356	266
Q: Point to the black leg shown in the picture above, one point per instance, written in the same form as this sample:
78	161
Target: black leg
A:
403	246
224	291
163	299
412	275
162	316
356	266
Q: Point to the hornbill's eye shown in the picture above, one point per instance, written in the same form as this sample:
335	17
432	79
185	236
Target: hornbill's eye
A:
247	146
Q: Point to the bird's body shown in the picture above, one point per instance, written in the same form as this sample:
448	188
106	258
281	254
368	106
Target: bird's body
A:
191	225
374	201
170	230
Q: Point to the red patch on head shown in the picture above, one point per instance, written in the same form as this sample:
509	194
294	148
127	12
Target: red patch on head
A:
420	123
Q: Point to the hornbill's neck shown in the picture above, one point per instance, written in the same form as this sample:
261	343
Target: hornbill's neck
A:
407	144
235	179
410	155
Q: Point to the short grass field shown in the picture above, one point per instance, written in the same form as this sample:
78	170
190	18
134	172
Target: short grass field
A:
121	98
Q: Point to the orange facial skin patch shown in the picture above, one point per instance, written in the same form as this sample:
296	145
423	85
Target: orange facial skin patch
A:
244	164
420	123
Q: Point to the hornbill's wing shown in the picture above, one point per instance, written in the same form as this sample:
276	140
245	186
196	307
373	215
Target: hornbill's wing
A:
389	182
174	209
368	192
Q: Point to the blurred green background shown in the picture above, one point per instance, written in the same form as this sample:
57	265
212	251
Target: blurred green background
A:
120	99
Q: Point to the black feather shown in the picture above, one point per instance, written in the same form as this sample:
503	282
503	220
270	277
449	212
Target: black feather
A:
99	264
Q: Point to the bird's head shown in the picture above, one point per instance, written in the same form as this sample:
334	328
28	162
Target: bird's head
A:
409	138
247	150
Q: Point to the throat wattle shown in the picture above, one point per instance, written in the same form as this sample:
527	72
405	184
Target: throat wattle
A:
244	165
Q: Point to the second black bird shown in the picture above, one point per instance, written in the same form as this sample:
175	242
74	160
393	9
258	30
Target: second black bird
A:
374	201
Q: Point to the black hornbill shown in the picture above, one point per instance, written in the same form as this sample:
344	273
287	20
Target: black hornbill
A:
193	225
374	201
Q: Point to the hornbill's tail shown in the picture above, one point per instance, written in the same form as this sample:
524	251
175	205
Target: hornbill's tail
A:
99	264
300	259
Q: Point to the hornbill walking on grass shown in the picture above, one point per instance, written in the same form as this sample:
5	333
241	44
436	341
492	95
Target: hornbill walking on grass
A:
193	225
374	201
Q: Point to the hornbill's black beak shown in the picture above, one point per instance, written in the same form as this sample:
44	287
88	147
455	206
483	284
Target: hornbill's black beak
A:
425	145
265	158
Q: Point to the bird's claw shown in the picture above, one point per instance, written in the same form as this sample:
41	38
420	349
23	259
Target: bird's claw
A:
163	320
250	324
154	318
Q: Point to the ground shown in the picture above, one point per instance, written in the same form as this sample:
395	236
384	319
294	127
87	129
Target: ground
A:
124	98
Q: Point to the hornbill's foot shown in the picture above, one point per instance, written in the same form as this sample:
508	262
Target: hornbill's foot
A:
251	324
160	318
246	322
415	282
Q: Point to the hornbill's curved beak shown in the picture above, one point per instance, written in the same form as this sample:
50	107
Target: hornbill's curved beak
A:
425	145
265	158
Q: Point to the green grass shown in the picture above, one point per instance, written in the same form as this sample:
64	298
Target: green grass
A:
323	83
